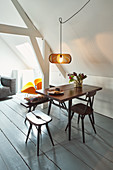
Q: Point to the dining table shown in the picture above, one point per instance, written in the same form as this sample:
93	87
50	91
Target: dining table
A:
69	92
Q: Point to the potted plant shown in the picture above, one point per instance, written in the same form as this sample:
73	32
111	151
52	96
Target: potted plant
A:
77	78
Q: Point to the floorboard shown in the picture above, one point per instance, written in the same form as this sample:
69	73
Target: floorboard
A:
95	154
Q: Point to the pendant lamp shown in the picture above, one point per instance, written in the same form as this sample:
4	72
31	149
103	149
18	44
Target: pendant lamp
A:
63	58
60	58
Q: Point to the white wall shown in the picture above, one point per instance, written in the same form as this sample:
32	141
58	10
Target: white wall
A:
8	60
104	98
56	77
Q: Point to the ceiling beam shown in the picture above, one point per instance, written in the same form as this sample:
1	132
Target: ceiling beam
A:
8	29
38	52
25	18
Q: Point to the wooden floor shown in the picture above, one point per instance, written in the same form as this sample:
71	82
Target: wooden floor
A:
96	153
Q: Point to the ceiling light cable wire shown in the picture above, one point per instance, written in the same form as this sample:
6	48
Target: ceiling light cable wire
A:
63	22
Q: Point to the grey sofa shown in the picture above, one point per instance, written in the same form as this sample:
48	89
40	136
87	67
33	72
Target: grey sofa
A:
7	87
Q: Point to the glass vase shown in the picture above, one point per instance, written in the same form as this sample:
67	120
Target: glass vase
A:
78	83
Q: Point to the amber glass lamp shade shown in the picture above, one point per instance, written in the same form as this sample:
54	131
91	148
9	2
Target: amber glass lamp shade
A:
60	58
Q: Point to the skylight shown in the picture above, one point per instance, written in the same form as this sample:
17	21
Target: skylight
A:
27	52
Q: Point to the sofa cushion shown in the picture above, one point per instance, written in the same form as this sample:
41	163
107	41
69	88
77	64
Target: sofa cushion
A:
6	81
9	82
4	92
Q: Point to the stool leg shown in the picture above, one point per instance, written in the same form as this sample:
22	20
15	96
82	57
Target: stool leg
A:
37	127
38	140
25	120
28	132
49	134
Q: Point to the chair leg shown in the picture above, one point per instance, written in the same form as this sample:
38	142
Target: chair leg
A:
78	119
60	104
29	109
93	118
28	132
65	106
34	107
92	123
49	134
71	118
82	120
38	139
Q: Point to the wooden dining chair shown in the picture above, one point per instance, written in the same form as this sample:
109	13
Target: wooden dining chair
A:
84	109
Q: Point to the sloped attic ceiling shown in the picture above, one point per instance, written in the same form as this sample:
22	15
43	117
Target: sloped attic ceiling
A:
88	37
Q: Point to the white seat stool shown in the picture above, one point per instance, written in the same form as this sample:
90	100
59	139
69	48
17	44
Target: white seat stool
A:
38	119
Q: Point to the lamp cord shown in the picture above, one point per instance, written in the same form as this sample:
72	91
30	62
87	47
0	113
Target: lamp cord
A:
60	19
63	22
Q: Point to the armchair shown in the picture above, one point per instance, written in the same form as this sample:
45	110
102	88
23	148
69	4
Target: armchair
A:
7	87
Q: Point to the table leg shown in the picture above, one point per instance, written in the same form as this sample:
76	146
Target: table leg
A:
49	108
69	118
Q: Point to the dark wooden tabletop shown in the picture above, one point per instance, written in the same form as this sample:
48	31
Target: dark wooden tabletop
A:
70	92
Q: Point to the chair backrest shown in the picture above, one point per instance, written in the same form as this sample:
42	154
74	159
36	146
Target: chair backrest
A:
29	88
90	98
37	80
38	83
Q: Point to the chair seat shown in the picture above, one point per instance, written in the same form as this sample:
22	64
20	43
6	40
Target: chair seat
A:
80	109
38	118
